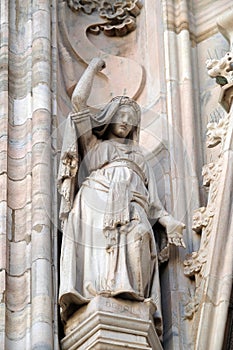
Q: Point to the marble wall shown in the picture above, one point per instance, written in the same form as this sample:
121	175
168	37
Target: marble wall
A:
28	91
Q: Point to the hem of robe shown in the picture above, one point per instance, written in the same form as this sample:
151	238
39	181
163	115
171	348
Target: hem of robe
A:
71	301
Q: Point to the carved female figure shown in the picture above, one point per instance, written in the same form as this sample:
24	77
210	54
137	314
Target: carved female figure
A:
108	245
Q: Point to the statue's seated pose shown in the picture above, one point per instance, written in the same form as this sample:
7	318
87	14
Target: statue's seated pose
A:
108	194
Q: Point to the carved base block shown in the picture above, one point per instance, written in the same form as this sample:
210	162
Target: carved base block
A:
112	324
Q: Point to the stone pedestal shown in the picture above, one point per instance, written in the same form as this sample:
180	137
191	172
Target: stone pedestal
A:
112	324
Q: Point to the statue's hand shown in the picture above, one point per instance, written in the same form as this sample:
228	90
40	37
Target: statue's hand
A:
175	233
174	229
97	64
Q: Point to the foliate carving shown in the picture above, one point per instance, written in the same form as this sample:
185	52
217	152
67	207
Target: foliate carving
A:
194	263
200	219
203	217
191	307
210	172
207	173
216	132
120	15
87	6
217	114
221	69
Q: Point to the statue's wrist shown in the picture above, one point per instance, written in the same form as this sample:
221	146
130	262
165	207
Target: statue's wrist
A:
96	65
165	219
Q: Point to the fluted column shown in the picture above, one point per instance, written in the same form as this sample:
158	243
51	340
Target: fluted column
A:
185	159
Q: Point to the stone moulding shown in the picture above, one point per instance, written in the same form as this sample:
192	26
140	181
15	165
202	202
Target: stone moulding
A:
203	218
102	323
195	263
113	324
200	219
210	172
119	16
221	69
211	266
216	132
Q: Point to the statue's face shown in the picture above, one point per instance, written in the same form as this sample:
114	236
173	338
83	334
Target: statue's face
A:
123	121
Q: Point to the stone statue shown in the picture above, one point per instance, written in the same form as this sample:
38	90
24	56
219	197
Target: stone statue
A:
108	196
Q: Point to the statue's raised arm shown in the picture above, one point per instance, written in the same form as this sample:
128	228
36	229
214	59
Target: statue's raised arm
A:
70	154
83	88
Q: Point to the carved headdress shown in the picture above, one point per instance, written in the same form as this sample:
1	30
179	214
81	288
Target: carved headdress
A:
101	120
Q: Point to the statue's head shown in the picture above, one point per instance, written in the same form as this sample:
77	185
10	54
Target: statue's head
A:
120	110
130	103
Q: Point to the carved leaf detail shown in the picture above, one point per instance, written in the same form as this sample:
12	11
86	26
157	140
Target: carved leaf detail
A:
221	69
190	308
120	15
194	263
200	219
203	218
210	172
216	132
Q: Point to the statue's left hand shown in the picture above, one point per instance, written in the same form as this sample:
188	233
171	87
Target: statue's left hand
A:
174	229
175	234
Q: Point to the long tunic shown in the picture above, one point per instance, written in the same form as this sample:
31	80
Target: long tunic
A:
108	245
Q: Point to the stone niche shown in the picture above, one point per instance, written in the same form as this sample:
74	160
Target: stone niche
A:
112	323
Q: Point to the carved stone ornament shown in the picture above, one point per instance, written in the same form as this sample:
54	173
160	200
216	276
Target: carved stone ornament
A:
203	217
200	219
109	249
119	16
191	307
194	262
216	132
221	69
211	266
210	172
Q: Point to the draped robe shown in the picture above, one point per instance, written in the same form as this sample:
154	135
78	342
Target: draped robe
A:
108	245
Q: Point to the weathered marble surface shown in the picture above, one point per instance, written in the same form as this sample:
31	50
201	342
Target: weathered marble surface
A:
109	247
27	57
114	324
171	37
212	264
